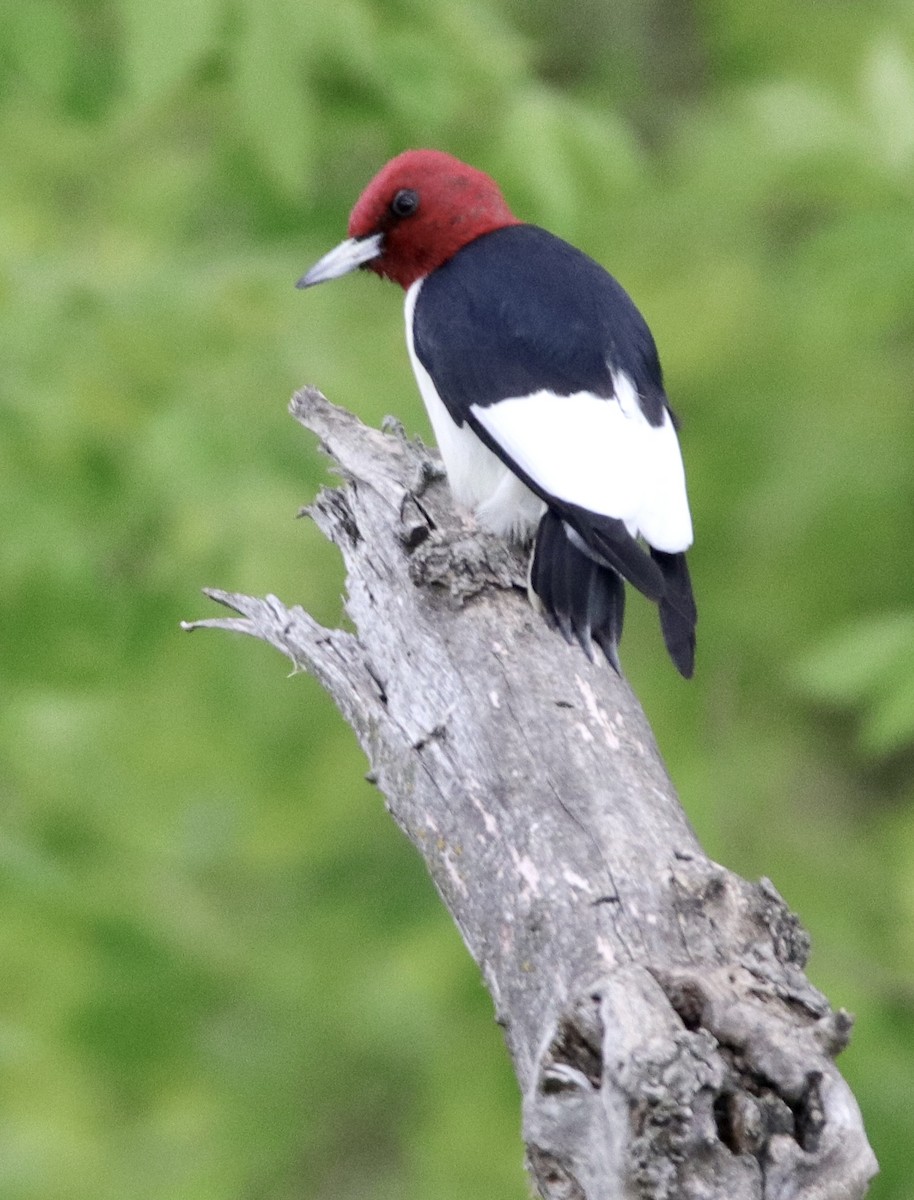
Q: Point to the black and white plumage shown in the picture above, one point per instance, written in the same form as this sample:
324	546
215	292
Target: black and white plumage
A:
545	392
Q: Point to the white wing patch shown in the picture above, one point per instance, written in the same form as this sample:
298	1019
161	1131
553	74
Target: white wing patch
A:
600	454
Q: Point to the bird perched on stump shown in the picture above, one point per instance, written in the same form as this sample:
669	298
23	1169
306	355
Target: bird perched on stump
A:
545	392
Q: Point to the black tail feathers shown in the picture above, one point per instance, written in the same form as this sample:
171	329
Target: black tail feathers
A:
585	599
678	614
581	597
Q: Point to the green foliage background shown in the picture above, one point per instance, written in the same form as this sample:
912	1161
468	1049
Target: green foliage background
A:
224	974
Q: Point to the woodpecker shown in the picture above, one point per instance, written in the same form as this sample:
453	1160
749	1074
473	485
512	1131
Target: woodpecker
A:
545	392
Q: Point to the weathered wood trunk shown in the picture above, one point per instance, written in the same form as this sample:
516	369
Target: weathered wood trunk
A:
665	1038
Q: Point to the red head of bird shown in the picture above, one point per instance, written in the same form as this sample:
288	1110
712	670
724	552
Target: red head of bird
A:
417	212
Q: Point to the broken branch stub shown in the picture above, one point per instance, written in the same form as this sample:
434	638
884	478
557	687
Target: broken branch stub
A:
666	1041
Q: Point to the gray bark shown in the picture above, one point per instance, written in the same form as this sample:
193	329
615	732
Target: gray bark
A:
666	1041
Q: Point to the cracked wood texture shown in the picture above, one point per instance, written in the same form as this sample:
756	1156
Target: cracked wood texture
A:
666	1041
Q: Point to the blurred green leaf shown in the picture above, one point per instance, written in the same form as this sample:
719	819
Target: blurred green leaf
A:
857	661
869	667
888	91
164	41
38	45
270	86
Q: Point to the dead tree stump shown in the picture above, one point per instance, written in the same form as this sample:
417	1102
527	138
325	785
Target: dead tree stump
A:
666	1041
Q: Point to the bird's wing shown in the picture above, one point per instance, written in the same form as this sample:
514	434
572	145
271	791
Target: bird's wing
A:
599	454
545	357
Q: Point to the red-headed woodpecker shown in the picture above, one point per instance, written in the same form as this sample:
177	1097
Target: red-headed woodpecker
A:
545	392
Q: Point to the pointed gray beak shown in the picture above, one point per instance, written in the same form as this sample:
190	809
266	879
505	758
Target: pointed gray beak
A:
342	259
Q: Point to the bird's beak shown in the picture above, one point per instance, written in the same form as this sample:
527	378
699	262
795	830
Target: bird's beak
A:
342	259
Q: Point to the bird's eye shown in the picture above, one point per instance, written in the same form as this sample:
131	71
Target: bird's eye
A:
404	203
